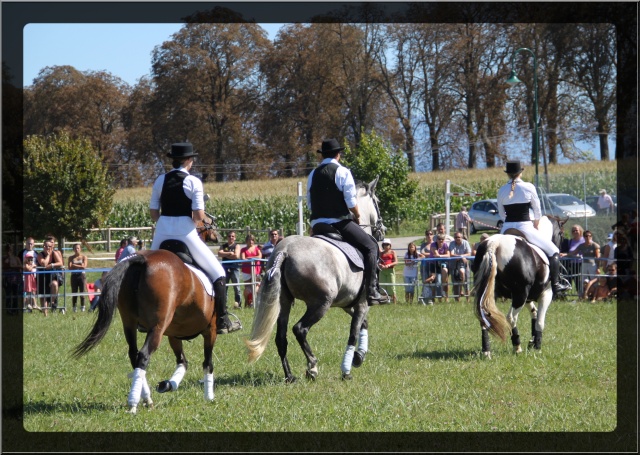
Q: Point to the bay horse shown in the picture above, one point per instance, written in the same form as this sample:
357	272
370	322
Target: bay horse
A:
155	292
507	266
315	271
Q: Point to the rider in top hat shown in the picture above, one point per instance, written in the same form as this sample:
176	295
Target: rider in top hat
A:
331	198
516	200
177	202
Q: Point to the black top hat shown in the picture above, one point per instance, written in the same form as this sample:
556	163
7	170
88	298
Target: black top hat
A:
330	145
181	150
514	167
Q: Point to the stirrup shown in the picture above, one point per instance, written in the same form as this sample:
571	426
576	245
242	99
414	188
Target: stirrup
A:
233	326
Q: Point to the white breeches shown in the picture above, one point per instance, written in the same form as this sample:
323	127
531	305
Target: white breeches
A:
533	236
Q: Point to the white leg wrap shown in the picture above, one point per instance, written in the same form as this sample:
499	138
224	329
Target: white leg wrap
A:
208	386
139	378
176	379
348	359
363	340
146	391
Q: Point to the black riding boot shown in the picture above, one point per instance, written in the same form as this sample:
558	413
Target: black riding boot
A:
224	325
554	272
373	294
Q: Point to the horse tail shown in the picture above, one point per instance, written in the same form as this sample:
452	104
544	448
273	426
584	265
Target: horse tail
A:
267	309
108	303
485	308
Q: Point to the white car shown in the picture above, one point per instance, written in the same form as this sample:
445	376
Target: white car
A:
565	205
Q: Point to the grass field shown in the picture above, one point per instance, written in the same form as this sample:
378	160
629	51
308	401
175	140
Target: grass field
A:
424	373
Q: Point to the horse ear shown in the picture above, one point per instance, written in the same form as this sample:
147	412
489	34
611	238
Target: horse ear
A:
371	187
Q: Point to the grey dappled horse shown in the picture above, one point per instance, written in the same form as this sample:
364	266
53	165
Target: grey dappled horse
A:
318	273
507	266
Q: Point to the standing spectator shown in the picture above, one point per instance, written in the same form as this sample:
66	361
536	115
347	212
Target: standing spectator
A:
230	254
462	222
427	268
123	245
49	260
30	288
441	229
410	272
11	279
78	261
97	289
568	249
29	247
267	248
248	253
388	260
590	252
440	250
460	249
177	203
605	203
609	250
130	249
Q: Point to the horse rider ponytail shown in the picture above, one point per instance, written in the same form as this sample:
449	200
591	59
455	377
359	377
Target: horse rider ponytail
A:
513	183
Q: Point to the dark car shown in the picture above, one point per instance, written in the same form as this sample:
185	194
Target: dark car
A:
626	204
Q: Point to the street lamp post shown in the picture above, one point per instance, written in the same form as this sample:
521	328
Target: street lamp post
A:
513	79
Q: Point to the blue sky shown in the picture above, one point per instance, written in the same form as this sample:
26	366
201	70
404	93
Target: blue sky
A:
123	50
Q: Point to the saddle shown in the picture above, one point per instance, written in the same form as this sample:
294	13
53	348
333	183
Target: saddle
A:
180	249
331	235
518	233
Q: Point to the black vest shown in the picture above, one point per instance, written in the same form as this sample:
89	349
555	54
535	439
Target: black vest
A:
327	201
517	212
173	201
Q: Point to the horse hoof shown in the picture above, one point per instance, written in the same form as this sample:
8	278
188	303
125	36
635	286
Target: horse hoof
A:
132	410
149	403
517	349
487	354
311	375
290	380
347	377
358	358
163	387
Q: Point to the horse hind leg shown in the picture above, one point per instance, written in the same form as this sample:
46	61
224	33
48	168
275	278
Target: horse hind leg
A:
512	317
314	313
281	338
207	364
139	386
363	346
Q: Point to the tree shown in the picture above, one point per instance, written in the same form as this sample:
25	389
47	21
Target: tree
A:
66	190
373	158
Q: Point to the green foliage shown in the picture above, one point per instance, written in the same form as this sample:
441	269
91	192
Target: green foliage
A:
66	191
374	158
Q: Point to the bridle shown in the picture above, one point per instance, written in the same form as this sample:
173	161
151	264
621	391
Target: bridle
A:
378	229
207	226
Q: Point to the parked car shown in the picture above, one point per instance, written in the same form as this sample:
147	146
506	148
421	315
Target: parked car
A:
565	205
484	216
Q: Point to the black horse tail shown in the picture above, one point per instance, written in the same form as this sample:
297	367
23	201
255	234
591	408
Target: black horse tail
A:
267	308
487	312
109	302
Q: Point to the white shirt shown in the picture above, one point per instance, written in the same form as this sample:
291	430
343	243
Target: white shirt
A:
344	182
605	201
191	185
523	192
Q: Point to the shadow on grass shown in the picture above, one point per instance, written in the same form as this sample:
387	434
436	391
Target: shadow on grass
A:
462	355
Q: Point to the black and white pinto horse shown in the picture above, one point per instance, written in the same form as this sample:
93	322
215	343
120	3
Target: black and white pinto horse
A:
508	266
315	271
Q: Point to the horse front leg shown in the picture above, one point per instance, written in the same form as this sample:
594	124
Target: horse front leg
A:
207	364
355	332
534	319
172	384
544	301
363	345
486	342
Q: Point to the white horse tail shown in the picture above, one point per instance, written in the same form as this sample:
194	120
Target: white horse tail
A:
487	312
267	309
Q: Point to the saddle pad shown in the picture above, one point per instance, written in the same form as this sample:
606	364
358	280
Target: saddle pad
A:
535	248
349	251
206	282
